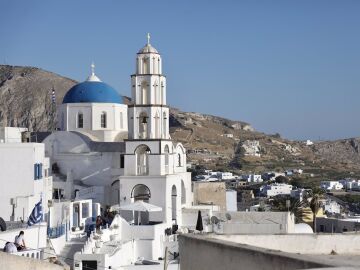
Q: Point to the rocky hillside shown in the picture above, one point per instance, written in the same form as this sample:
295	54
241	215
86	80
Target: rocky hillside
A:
25	100
25	97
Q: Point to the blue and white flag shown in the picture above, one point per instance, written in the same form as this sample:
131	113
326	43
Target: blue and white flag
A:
36	214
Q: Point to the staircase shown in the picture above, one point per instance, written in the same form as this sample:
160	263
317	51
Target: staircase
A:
66	255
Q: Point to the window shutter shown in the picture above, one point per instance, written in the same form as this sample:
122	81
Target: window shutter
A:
40	171
35	171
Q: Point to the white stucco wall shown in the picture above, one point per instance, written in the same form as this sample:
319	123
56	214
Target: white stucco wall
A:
35	236
116	119
17	175
11	134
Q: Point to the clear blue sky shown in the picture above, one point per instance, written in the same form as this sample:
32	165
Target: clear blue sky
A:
291	67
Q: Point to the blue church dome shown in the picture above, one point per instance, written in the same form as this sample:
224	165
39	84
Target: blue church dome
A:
91	92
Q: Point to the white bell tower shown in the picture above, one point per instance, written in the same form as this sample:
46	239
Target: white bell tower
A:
148	115
154	166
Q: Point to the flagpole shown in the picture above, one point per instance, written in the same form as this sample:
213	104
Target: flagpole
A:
38	240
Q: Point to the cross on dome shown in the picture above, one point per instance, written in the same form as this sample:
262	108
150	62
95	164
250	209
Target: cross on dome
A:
148	48
92	69
93	77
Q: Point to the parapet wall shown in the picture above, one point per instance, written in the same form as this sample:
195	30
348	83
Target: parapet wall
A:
346	244
202	253
14	262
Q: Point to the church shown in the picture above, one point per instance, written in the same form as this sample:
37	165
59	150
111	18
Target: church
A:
116	153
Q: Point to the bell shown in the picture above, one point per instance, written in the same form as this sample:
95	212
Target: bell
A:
144	121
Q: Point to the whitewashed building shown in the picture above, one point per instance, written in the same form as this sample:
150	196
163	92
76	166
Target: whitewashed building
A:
252	148
87	154
24	171
124	163
331	207
331	185
276	189
253	178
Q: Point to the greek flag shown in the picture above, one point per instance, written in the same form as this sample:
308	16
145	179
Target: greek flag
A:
36	214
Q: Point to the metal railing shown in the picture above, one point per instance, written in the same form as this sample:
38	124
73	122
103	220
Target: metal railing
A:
56	232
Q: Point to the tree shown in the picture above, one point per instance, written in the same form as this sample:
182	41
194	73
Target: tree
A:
295	207
314	201
281	179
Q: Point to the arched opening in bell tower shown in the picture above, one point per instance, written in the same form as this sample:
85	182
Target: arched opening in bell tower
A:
144	93
146	65
166	151
142	153
143	125
141	192
183	192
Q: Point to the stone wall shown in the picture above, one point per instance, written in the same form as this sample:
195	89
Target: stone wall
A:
210	193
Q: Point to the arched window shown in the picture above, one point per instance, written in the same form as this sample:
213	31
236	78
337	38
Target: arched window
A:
80	120
143	125
166	151
183	192
164	125
179	160
141	192
103	120
146	65
173	203
121	121
144	93
142	153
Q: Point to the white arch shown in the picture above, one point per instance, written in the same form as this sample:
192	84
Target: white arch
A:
166	151
142	153
183	192
143	125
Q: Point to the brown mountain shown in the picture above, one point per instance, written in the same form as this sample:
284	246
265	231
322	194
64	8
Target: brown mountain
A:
25	100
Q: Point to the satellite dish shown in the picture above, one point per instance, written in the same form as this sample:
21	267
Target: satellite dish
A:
214	220
228	216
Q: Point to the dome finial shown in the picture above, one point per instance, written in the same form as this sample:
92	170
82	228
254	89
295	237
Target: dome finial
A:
92	68
148	38
93	77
